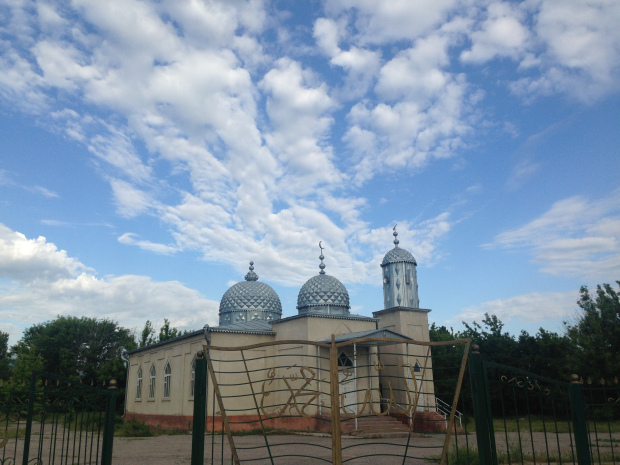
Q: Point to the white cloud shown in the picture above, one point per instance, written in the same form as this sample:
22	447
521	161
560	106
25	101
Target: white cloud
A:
40	282
501	34
526	308
131	239
30	260
575	237
130	201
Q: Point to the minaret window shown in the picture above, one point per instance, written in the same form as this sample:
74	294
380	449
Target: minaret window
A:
407	278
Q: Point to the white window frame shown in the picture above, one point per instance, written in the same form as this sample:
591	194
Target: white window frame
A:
192	384
152	375
167	380
139	384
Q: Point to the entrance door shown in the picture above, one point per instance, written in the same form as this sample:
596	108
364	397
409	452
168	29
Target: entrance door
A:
347	387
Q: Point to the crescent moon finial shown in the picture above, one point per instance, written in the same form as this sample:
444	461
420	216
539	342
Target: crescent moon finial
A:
321	257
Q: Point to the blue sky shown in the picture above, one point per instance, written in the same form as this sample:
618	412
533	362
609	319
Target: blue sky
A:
150	150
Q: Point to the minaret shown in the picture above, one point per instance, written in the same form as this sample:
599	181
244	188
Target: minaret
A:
400	282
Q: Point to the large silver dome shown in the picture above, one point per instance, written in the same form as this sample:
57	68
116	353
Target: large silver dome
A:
250	300
323	294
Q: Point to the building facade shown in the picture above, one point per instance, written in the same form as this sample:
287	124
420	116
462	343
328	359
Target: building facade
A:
161	377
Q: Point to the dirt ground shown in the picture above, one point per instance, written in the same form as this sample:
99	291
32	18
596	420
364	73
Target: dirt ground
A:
252	449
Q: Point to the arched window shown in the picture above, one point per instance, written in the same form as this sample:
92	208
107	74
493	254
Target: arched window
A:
192	383
139	384
417	368
152	382
167	377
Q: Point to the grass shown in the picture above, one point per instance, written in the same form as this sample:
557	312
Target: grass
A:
137	429
464	456
540	424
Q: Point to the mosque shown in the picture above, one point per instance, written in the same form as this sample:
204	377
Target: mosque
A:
161	377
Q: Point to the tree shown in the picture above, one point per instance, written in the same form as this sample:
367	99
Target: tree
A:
166	332
596	333
26	360
4	355
84	348
495	346
146	336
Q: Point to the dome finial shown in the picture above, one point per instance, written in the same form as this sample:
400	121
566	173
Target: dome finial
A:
251	276
395	234
321	257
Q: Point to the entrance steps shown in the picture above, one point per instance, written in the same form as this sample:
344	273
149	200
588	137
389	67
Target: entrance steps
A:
374	426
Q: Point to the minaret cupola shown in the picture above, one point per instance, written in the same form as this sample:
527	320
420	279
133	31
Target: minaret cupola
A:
400	282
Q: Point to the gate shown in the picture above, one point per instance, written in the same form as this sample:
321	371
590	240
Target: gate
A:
522	417
56	421
380	388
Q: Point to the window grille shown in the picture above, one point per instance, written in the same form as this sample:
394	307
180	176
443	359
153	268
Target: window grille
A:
167	378
139	384
152	382
344	360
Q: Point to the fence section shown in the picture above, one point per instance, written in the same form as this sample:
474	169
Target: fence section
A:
56	421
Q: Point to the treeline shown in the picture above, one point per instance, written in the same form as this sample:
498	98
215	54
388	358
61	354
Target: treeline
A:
85	349
588	347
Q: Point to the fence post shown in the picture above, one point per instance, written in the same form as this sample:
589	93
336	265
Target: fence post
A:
580	426
31	399
200	410
481	414
334	404
108	425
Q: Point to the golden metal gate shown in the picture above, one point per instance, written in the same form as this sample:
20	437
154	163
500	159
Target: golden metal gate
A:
385	389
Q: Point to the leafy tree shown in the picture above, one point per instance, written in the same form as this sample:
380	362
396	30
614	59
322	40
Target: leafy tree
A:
596	333
26	360
495	345
547	353
4	355
166	332
146	336
79	347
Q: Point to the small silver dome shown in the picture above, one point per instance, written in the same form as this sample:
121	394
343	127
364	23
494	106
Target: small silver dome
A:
323	294
397	255
250	300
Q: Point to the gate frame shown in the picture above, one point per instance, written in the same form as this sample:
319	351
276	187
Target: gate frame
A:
204	363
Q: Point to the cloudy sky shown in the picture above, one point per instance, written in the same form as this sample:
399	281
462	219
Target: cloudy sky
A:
150	150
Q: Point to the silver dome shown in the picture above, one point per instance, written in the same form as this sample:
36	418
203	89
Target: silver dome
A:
250	300
398	255
323	294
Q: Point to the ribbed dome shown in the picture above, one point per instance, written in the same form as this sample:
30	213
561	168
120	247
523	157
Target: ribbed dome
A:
323	291
398	255
249	300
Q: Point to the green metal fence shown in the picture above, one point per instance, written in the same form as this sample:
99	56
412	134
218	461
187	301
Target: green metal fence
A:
56	420
362	399
522	417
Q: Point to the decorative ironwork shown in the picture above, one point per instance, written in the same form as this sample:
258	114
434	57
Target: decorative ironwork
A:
525	383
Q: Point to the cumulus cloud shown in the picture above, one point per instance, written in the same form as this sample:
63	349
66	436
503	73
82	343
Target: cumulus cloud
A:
527	308
575	237
39	282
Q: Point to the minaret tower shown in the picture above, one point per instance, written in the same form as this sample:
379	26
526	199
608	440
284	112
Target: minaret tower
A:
400	282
